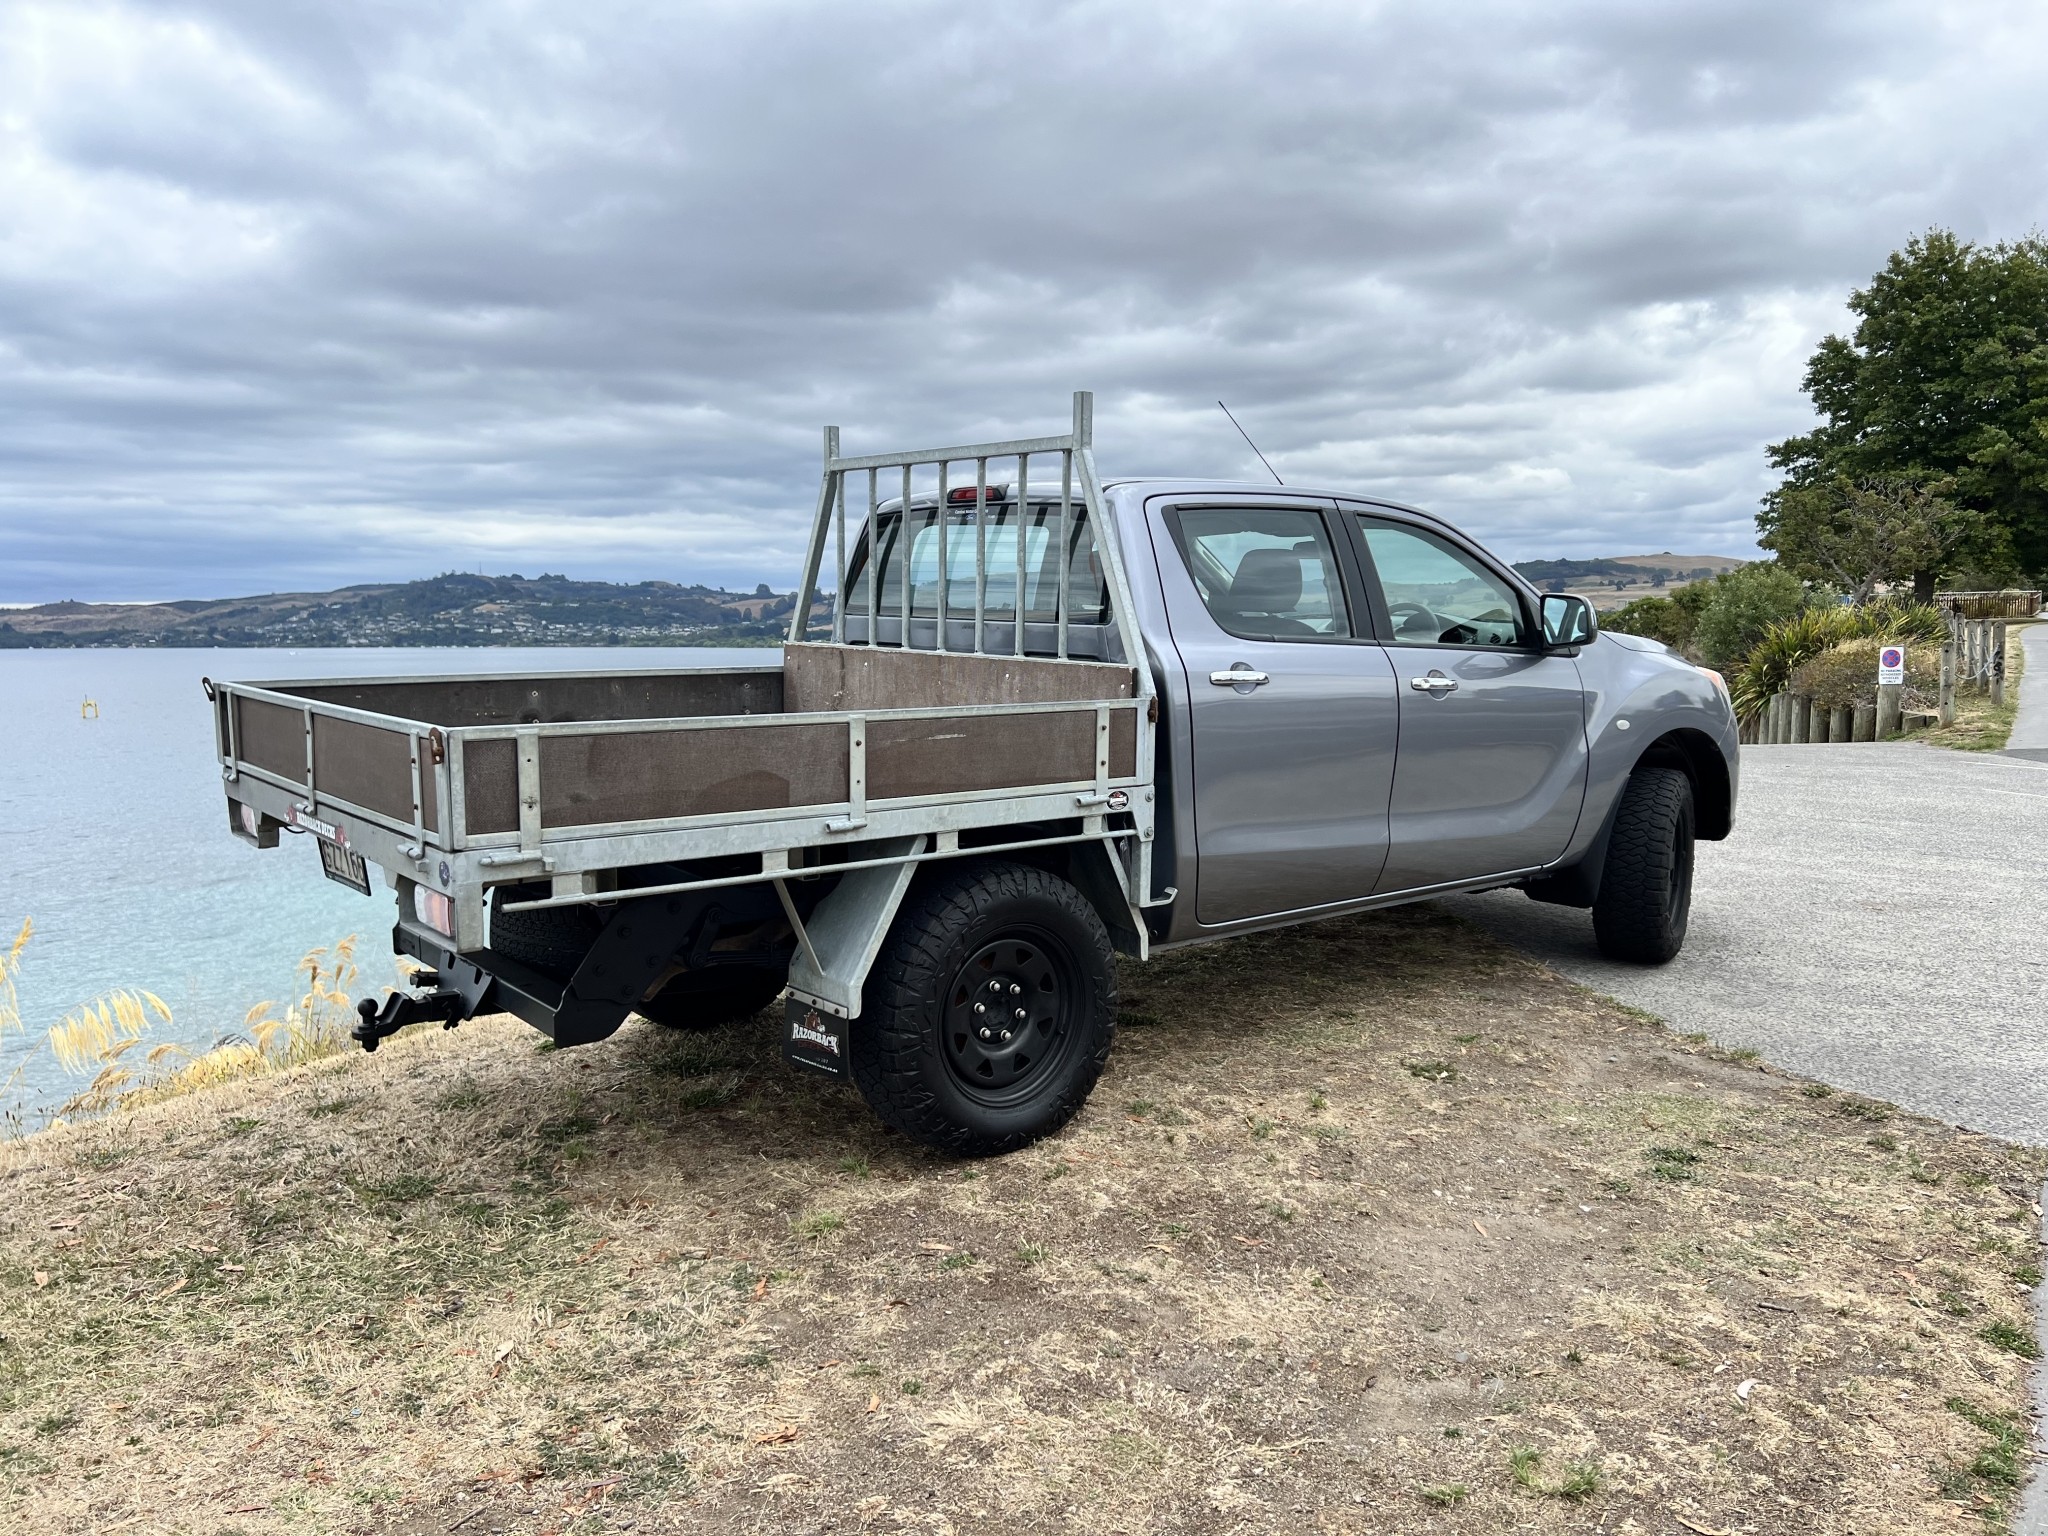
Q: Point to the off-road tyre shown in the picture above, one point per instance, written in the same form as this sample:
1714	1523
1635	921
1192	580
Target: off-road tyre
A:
709	998
1646	883
972	934
553	940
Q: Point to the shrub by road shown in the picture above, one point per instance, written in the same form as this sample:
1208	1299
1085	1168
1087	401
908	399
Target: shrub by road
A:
1371	1226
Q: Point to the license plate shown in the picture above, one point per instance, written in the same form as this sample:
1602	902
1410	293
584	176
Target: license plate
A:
344	865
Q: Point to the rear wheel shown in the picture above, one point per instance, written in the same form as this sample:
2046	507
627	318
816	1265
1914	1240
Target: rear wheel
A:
990	1012
1646	885
705	999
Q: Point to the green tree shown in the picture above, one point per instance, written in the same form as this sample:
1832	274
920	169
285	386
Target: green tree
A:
1945	377
1879	528
1741	605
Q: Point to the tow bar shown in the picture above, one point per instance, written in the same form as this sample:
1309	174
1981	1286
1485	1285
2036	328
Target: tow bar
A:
443	1004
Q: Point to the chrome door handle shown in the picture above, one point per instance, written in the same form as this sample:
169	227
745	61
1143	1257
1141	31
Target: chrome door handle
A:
1436	682
1238	675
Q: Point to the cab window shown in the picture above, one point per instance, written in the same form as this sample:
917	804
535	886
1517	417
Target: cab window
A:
1265	575
1439	595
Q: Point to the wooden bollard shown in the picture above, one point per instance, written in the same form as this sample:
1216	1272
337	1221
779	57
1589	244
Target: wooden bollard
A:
1888	710
1946	699
1997	665
1864	726
1817	722
1801	710
1838	723
1781	717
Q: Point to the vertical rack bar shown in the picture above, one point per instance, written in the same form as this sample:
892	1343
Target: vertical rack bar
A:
1018	504
1066	518
1106	549
903	539
874	566
814	554
945	591
838	479
980	548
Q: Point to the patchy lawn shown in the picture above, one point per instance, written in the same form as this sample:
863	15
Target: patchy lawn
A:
1372	1226
1979	725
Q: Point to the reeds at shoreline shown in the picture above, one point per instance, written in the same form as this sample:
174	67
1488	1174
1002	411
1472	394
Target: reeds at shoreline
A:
103	1036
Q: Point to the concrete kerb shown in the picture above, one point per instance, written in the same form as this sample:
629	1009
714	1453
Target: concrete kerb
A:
2030	724
2032	1516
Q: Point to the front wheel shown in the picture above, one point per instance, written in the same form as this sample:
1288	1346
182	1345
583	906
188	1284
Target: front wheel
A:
1646	885
990	1012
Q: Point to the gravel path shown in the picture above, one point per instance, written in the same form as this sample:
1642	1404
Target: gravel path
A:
2030	726
1874	922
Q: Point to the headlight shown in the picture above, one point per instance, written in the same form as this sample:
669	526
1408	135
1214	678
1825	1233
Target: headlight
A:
1721	683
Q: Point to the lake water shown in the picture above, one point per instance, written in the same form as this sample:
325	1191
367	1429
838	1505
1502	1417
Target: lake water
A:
114	838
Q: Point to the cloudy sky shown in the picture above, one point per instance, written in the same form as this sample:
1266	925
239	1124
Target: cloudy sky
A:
301	292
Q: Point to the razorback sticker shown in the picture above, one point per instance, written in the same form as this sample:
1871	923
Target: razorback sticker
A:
814	1039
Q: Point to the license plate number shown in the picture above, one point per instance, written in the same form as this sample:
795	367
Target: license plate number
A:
344	865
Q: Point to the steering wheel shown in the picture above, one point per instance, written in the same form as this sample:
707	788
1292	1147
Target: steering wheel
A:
1413	610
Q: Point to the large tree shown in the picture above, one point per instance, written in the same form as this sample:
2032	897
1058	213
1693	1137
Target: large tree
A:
1945	379
1854	534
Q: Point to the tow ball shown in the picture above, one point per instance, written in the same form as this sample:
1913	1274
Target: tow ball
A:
375	1019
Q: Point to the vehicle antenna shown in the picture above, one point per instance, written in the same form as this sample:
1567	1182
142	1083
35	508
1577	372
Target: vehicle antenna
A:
1250	444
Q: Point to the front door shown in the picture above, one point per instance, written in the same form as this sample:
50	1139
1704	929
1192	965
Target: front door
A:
1292	708
1492	766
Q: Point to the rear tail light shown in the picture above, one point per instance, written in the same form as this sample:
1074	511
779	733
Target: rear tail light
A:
434	909
252	823
963	495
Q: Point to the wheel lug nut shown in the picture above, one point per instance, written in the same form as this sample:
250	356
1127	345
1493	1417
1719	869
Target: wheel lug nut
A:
981	1007
1015	990
985	1033
1022	1015
995	986
1006	1037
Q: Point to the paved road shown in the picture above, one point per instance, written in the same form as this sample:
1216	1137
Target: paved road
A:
1874	922
2030	728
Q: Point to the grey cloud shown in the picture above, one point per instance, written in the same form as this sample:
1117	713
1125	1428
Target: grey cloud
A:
294	294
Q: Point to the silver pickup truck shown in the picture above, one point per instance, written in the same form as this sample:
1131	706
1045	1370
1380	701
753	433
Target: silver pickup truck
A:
1053	720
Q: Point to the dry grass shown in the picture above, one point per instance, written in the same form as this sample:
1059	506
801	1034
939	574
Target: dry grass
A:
1572	1273
1979	725
108	1038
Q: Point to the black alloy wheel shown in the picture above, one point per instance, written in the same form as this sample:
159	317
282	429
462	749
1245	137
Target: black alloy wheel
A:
990	1011
1007	1015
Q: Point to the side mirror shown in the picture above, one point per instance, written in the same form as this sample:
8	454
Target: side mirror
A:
1567	621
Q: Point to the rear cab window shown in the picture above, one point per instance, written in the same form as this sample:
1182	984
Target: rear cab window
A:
1265	574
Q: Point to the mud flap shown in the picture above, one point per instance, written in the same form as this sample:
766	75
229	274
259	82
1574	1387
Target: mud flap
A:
815	1040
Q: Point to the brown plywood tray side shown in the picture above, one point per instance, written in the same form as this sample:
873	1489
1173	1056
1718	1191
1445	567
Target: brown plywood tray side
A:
857	677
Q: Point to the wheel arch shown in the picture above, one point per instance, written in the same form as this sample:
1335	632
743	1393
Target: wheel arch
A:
1696	754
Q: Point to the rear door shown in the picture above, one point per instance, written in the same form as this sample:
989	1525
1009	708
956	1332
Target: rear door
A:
1492	767
1292	709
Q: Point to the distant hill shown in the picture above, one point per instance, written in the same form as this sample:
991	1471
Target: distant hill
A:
1715	564
455	609
1619	578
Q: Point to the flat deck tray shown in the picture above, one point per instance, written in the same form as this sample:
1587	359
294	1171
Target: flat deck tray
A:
663	746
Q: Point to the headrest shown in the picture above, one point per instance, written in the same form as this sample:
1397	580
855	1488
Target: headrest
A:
1267	581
